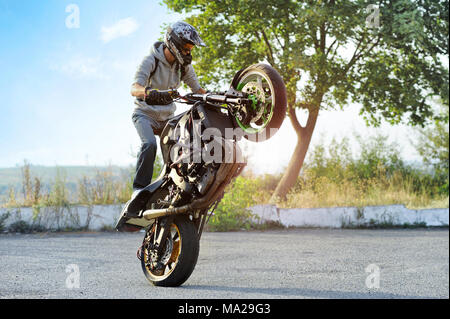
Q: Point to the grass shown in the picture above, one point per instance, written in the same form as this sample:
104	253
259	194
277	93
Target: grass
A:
331	177
326	193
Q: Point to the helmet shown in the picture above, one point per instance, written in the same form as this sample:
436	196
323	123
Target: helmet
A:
177	36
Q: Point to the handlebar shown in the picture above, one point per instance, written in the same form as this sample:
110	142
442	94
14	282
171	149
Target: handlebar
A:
214	97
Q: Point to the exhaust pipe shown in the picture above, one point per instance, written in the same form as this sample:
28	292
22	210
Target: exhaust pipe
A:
224	175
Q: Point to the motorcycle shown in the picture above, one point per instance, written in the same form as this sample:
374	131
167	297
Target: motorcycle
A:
201	157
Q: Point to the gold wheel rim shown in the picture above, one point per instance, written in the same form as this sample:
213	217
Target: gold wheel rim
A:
170	265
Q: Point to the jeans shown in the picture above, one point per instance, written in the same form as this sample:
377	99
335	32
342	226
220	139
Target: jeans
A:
147	128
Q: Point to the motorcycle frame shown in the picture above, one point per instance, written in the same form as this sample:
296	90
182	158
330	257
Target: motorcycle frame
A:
199	209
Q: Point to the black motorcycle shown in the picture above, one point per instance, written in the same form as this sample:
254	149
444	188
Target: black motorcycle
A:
201	157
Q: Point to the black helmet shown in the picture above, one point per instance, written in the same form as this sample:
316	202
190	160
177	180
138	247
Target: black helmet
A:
177	36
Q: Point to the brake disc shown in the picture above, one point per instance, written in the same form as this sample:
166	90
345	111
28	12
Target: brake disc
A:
165	256
256	90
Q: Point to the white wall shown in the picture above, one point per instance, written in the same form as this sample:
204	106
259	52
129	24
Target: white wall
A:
338	217
105	216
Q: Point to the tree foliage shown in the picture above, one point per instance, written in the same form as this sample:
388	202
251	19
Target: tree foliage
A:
433	146
328	52
385	55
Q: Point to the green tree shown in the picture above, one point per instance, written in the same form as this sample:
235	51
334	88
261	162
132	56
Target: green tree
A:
433	146
385	55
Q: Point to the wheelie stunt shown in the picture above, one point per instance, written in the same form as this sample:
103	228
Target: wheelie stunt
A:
200	153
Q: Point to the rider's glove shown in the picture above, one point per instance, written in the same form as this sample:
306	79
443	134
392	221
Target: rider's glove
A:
155	97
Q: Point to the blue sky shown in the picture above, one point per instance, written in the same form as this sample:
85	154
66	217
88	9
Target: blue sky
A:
64	92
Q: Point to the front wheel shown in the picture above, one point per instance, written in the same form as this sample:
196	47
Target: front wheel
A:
266	89
179	257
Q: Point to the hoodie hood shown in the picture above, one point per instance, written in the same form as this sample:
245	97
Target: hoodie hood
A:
157	50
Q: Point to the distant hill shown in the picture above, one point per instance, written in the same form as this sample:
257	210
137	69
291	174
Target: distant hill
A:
12	177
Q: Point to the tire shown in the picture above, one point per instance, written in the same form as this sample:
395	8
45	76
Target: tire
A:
183	255
278	101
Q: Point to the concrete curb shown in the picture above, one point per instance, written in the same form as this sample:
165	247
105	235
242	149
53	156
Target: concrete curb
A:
342	217
95	217
99	217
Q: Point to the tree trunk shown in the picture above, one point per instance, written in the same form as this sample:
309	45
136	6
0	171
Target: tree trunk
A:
304	135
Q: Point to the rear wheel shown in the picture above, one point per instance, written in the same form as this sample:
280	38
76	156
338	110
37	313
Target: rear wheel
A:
266	89
179	257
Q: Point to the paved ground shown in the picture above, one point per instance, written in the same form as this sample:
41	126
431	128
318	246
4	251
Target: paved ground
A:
299	263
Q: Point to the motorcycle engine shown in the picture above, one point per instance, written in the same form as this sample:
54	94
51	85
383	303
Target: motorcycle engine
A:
198	179
203	180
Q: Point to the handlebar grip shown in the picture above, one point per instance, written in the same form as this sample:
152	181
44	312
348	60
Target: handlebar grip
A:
160	97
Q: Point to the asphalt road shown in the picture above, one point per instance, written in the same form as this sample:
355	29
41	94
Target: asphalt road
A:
299	263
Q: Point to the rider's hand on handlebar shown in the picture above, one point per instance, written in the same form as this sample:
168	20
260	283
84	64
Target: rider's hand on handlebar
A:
157	97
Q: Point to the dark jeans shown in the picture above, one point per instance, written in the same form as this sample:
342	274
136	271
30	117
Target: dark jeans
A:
147	128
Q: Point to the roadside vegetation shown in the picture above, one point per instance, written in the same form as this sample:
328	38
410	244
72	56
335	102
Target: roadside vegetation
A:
332	176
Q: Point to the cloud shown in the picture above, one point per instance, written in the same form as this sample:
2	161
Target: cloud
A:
122	28
81	67
99	66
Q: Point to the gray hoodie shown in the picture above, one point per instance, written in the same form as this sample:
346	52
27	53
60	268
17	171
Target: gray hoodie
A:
165	77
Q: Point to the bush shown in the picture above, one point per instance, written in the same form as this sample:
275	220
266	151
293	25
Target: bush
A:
232	213
433	146
3	218
19	227
332	176
23	227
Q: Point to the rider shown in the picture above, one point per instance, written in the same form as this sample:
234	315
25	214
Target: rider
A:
168	64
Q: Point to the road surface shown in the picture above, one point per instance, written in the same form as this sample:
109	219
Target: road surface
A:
295	263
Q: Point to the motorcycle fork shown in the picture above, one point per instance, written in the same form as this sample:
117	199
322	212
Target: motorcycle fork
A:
161	233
